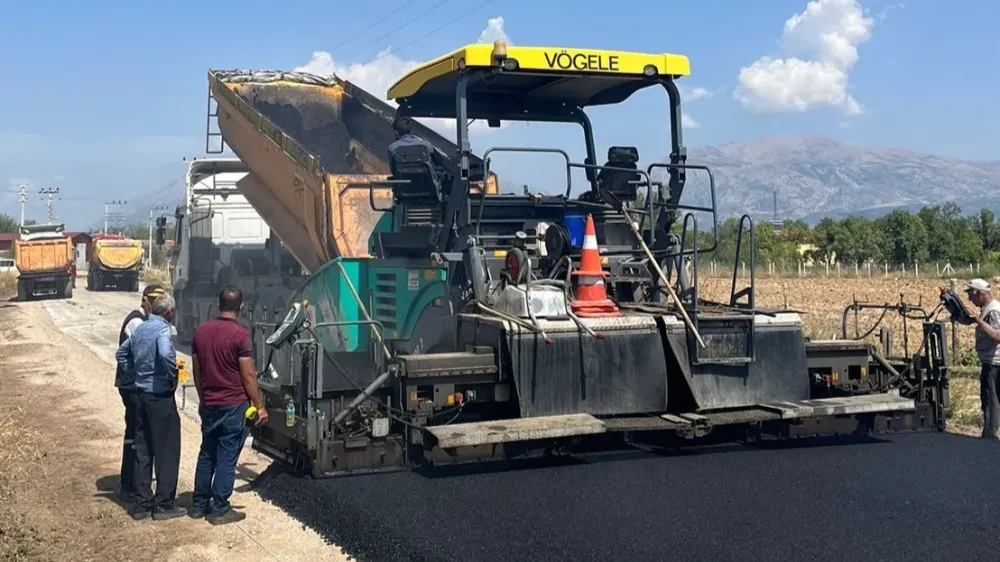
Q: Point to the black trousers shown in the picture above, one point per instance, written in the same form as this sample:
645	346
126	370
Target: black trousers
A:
989	395
157	442
130	399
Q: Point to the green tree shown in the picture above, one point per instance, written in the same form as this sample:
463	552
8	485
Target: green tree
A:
950	236
905	237
7	223
796	232
985	226
825	236
857	240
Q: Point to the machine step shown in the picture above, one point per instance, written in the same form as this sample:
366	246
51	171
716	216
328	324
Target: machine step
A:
848	405
507	431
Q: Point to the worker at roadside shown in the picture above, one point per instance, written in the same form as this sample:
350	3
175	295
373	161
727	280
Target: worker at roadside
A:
987	324
149	354
224	376
125	383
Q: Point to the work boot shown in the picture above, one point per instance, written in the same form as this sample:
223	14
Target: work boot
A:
164	513
196	513
139	513
228	516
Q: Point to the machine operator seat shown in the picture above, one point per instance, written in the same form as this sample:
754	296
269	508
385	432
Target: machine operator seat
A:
415	163
616	181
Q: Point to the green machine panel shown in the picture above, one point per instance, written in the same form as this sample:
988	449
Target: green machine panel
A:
399	294
331	300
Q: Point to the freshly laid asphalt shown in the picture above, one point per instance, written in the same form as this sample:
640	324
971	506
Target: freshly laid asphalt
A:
904	497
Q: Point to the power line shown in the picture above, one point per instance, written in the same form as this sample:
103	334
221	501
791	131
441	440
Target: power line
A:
108	215
398	28
373	24
432	32
22	195
48	194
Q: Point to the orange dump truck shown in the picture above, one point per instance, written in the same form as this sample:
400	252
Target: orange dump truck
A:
44	257
114	263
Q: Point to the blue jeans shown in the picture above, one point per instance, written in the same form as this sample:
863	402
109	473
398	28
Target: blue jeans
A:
223	432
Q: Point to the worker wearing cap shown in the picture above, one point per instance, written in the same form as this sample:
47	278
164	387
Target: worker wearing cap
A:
987	340
125	383
149	353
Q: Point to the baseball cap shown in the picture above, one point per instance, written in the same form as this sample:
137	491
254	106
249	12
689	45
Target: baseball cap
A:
979	285
152	291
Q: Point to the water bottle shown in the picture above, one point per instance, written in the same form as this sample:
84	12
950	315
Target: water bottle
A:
290	413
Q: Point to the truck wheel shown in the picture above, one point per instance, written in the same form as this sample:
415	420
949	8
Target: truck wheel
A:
68	291
22	291
135	285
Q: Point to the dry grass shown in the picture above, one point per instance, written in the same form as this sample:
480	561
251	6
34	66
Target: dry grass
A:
8	285
159	275
20	452
20	447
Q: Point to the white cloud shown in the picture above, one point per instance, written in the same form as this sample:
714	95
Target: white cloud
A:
376	76
826	35
494	30
695	94
689	123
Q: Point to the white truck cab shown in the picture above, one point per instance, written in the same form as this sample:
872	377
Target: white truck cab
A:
216	226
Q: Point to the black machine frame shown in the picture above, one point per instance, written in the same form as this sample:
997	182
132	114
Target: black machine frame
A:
483	359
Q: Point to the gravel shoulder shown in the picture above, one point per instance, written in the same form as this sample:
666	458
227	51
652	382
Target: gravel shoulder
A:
60	446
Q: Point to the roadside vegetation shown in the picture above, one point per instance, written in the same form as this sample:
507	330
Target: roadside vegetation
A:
8	285
156	274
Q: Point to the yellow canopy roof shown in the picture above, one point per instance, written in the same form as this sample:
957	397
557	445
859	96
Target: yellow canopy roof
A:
546	74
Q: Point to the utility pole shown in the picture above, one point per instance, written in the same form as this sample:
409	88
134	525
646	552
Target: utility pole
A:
107	212
22	196
48	193
149	257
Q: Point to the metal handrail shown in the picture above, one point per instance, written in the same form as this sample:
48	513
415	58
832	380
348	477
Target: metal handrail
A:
486	172
711	185
648	182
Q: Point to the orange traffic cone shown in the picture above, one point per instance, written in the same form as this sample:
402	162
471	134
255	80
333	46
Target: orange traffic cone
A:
590	297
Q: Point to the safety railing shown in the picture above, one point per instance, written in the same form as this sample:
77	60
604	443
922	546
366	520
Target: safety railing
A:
529	150
748	291
693	208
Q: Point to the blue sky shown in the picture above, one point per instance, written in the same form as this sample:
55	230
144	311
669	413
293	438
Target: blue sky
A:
103	99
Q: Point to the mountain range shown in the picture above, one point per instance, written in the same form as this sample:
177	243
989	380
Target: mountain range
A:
813	177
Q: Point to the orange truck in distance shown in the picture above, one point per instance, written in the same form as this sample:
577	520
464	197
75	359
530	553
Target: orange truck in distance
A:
44	258
114	263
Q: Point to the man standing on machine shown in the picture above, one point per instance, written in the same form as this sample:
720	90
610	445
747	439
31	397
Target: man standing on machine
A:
987	324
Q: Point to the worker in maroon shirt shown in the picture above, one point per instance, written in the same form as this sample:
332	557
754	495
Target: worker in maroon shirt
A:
222	361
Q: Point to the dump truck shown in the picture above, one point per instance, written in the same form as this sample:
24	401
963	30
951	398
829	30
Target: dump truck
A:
114	263
443	323
44	256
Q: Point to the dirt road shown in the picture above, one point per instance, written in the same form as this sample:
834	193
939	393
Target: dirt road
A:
60	446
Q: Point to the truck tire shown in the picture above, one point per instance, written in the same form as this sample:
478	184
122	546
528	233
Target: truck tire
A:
22	291
68	291
135	285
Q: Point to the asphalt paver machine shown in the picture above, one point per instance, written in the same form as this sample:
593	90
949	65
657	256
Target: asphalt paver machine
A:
468	325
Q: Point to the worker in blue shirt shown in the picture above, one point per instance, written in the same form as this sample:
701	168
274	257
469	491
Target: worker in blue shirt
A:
149	355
